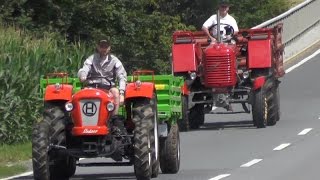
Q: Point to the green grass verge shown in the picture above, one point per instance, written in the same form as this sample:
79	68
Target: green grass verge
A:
11	157
6	171
15	153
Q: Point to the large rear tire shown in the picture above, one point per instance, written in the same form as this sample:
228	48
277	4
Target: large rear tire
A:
170	151
146	162
48	165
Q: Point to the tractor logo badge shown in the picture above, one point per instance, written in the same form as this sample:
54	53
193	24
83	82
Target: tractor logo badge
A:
89	109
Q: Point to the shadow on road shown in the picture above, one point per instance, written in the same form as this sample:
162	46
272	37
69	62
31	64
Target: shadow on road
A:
227	125
106	176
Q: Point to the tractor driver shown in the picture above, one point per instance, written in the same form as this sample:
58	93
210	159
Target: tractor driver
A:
104	64
225	18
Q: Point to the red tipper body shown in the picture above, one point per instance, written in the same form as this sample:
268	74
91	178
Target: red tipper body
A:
259	53
90	113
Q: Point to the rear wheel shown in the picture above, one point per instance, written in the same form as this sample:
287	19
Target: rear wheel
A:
146	160
170	151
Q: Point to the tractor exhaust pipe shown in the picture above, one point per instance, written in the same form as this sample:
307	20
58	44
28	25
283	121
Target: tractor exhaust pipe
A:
218	27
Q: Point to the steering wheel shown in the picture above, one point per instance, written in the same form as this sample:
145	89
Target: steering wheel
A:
98	82
229	29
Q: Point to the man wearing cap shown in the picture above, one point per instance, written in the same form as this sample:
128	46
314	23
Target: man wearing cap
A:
104	64
225	18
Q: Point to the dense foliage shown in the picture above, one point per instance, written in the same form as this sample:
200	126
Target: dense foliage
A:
54	35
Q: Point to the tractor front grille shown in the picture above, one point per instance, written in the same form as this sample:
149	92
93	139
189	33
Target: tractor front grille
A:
90	110
220	71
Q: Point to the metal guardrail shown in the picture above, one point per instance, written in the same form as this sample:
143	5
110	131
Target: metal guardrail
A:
297	22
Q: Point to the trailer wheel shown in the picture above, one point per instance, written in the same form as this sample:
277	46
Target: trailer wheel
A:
170	151
277	102
46	163
145	159
184	122
260	108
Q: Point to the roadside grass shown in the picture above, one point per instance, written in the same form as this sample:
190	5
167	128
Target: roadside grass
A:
294	2
12	158
6	171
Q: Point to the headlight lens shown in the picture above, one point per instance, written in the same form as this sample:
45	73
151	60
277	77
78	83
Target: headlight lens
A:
138	84
246	74
193	75
68	106
110	106
57	86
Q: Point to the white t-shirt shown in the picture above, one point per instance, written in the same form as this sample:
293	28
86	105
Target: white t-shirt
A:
226	20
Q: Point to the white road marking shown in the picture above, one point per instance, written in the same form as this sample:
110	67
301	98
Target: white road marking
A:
251	163
303	61
305	131
282	146
220	177
20	175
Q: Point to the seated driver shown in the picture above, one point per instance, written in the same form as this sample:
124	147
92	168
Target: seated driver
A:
225	18
104	64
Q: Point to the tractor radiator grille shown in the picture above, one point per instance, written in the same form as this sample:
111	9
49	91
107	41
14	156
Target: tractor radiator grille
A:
220	71
90	111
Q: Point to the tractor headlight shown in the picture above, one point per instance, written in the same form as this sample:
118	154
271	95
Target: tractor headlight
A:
246	74
138	84
57	86
110	106
193	75
68	106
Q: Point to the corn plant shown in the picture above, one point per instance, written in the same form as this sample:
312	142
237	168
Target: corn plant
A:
23	59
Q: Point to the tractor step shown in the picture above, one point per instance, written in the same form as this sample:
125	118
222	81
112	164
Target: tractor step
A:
104	164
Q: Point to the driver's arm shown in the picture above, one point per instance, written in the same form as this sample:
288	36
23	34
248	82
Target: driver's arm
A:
84	71
205	27
121	75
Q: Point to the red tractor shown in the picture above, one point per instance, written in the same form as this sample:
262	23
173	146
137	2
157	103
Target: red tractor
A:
77	123
244	69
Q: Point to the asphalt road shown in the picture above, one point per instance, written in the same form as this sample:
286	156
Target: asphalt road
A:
228	147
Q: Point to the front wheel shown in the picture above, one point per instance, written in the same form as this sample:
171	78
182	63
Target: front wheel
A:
170	151
260	108
146	162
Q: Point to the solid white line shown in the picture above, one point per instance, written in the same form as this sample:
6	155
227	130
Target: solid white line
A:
220	177
282	146
305	131
255	161
303	61
20	175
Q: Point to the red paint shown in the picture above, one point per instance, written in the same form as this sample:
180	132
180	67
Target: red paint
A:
220	66
259	82
64	93
184	89
145	90
91	93
259	53
184	58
